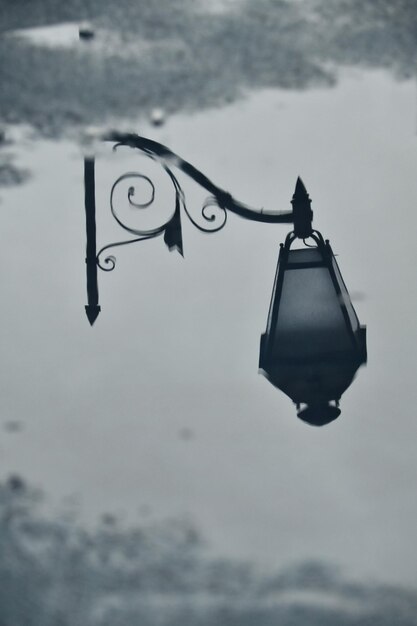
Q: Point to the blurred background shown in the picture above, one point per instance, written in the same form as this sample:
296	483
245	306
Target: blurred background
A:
148	473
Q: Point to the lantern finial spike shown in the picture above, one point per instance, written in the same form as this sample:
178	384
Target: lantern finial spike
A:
300	189
302	213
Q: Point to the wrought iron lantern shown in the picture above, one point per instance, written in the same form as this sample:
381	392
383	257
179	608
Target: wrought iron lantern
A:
313	344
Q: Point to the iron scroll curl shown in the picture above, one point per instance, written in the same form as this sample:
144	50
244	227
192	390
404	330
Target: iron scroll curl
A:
109	262
213	212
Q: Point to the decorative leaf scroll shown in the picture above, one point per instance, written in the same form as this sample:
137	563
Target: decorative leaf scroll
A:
173	231
171	227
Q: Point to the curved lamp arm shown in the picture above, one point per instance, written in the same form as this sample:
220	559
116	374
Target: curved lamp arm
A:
224	199
301	214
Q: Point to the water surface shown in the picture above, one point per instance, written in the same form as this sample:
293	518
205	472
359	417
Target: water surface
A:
158	410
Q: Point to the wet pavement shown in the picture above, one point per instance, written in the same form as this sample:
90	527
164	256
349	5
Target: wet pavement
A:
203	58
103	410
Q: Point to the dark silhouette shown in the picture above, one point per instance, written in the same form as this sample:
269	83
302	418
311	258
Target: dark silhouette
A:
314	343
92	309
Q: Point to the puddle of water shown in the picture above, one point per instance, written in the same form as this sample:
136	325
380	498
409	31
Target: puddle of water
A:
176	345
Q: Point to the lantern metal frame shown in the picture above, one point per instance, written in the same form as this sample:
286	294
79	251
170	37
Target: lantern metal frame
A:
314	380
328	259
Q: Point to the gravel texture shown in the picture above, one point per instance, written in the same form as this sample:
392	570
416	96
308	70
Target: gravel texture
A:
179	56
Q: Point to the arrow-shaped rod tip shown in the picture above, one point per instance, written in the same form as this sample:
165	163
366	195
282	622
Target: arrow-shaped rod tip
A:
92	312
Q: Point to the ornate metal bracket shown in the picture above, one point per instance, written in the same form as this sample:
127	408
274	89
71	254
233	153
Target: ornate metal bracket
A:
214	211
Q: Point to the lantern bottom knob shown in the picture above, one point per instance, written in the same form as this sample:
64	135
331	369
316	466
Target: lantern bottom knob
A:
319	414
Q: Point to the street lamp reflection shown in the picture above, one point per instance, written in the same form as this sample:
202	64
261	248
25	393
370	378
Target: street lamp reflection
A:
314	343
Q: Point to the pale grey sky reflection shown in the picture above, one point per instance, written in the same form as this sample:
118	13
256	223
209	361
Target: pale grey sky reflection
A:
176	346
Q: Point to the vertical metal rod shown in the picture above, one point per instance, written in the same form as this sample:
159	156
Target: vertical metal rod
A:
92	308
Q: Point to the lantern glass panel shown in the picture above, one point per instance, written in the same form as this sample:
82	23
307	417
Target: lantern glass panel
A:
345	298
310	321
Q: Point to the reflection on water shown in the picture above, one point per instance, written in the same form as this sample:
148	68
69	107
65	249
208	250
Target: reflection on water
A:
313	344
177	344
117	417
54	571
